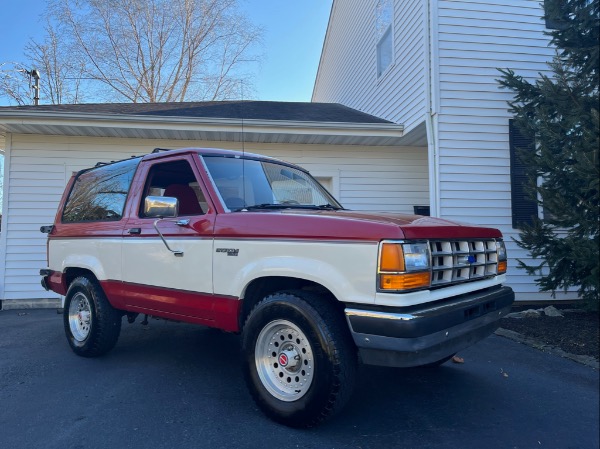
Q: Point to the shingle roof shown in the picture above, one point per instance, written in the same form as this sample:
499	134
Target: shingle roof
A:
248	109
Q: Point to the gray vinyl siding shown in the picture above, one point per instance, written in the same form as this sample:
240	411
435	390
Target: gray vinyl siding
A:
474	39
38	168
348	69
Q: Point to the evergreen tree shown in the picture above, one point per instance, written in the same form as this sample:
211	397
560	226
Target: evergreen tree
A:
560	112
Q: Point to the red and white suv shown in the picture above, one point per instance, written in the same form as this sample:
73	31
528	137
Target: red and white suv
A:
253	245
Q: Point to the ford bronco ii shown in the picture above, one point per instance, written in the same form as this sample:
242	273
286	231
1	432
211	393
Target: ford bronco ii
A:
256	246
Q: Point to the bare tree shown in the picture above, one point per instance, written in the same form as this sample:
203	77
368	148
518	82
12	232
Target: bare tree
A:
62	73
147	50
15	83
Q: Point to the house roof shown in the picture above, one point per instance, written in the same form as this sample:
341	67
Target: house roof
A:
248	109
251	121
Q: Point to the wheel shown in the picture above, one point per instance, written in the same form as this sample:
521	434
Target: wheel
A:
299	359
91	324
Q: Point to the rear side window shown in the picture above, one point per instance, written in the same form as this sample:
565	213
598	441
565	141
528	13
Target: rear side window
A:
99	194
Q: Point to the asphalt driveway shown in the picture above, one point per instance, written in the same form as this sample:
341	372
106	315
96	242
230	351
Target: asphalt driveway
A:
171	385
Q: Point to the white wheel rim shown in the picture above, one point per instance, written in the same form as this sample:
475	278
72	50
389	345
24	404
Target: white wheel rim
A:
284	360
80	317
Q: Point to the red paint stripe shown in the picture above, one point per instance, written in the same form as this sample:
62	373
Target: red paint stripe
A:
192	307
57	283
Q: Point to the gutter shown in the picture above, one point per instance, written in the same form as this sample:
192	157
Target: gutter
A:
43	118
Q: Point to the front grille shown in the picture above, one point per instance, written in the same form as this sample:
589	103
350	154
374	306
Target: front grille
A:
455	261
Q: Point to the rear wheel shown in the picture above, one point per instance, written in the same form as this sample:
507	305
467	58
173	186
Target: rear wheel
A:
299	359
92	325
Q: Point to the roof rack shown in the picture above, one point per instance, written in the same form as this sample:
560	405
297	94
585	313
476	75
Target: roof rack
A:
133	156
100	164
158	150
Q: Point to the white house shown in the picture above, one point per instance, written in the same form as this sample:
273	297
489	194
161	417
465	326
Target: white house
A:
364	160
432	66
406	112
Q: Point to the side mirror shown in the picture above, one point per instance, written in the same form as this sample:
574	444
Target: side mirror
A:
161	207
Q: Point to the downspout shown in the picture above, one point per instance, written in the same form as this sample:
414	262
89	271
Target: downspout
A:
432	99
5	187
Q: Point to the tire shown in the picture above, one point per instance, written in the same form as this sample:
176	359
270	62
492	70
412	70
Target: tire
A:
92	325
299	360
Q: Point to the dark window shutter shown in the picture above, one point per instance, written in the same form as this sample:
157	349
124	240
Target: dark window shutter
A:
524	209
555	18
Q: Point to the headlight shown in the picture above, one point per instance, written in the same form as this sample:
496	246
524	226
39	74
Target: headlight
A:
502	257
404	266
416	256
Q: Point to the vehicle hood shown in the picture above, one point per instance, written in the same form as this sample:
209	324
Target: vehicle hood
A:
345	224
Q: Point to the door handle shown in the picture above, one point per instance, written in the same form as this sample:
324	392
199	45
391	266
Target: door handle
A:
135	231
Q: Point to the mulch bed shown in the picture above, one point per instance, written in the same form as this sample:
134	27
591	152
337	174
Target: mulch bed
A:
576	332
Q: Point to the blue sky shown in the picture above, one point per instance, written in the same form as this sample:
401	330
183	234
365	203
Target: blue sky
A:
294	32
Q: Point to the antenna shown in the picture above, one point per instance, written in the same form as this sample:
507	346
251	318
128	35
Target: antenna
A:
36	86
242	114
243	144
35	75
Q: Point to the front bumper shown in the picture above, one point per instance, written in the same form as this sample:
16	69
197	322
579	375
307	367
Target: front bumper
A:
419	335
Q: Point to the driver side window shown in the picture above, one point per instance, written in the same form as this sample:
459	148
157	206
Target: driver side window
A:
175	179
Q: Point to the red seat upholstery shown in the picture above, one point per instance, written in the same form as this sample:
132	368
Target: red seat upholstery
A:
188	201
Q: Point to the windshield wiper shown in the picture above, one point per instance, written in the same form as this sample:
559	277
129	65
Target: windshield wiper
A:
289	206
265	206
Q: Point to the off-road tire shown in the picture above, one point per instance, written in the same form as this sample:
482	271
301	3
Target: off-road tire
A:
92	325
316	324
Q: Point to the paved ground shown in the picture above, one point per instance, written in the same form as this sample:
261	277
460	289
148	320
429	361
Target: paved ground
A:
171	385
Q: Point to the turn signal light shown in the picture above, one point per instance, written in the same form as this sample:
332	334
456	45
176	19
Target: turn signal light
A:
502	266
392	257
404	281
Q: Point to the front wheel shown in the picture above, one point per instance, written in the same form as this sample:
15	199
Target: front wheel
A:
92	325
299	358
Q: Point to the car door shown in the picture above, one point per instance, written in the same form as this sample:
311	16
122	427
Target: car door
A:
155	280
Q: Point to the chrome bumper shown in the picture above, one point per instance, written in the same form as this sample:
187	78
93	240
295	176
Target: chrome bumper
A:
419	335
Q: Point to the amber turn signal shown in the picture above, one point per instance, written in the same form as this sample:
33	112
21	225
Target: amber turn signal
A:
392	257
502	266
405	281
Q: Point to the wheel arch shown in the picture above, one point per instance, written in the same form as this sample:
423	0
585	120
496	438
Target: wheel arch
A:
71	273
261	287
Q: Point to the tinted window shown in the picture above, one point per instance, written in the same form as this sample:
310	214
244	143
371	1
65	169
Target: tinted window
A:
100	194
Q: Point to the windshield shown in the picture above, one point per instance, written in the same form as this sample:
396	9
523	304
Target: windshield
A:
251	184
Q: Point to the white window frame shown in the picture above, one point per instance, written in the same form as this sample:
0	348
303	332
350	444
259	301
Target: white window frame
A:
329	175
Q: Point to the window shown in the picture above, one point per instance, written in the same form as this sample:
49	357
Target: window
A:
246	183
99	194
524	209
175	179
384	34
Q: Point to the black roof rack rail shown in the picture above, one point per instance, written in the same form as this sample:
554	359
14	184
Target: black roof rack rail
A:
100	164
158	150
